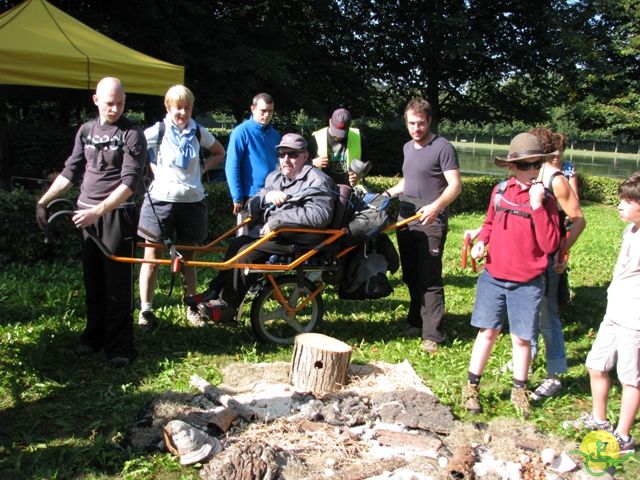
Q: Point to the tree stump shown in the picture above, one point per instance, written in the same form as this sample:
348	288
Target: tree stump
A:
319	363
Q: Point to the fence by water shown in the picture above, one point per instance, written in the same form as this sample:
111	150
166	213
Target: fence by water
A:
477	160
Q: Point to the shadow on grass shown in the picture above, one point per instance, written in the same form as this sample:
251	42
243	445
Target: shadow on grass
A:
83	407
77	423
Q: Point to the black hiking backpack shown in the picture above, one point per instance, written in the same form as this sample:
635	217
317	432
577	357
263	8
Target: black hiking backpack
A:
512	208
364	271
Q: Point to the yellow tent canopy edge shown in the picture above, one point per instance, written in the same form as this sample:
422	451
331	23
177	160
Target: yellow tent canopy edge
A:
40	45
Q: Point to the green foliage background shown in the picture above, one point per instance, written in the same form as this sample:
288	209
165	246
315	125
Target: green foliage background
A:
22	241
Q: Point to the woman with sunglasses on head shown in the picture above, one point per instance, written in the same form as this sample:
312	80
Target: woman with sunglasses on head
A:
572	223
521	230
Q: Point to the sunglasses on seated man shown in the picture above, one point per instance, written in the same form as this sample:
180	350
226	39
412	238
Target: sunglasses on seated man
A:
524	166
290	153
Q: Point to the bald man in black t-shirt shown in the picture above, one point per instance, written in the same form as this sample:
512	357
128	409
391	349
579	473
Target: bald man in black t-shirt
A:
107	161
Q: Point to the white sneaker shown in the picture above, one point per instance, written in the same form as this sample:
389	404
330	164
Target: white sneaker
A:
586	422
626	446
548	388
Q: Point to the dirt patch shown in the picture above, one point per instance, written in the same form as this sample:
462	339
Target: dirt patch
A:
384	424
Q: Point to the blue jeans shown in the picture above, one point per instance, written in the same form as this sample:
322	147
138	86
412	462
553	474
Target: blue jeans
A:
550	327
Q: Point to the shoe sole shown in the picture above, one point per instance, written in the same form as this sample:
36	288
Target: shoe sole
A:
146	328
202	310
429	348
521	412
197	323
538	398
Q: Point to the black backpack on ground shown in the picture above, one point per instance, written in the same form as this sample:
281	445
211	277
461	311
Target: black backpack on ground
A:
364	271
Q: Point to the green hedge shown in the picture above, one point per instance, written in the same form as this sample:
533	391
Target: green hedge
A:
599	189
22	241
20	238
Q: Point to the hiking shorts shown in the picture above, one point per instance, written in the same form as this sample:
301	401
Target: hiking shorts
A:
616	346
499	299
183	222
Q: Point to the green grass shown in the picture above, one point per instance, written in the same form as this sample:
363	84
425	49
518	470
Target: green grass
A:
63	417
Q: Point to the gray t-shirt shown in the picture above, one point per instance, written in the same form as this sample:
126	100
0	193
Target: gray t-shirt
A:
423	170
623	304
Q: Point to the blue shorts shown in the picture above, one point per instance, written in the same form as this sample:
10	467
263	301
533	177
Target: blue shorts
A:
499	299
182	222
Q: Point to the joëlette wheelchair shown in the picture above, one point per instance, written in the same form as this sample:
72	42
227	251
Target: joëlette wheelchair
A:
285	301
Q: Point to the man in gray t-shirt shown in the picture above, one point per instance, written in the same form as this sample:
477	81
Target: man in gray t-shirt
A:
431	181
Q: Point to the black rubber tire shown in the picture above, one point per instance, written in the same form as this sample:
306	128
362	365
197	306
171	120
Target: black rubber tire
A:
269	321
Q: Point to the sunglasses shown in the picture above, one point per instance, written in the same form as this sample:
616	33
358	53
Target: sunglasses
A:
524	166
290	154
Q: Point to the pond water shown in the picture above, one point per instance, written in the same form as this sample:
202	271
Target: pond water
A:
479	161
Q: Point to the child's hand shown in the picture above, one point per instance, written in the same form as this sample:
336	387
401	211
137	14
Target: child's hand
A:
560	267
471	233
477	251
536	195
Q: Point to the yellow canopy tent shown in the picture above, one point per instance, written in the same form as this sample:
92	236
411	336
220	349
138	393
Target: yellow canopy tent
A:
40	45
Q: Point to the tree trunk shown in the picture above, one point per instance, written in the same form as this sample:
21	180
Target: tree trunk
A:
319	363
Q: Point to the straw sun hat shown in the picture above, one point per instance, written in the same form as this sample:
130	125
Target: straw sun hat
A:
524	147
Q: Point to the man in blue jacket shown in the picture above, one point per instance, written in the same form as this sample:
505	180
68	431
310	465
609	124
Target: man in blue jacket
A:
251	153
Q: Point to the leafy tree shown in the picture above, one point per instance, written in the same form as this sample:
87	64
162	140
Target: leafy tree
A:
485	61
462	55
603	91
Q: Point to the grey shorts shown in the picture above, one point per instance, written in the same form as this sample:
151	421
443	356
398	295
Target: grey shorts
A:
182	222
616	346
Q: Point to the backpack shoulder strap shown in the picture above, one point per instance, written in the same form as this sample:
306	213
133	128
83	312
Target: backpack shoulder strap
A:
502	186
85	130
203	153
551	178
161	131
161	128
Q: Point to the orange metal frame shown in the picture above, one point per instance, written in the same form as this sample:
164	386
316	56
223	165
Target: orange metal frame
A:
213	246
176	260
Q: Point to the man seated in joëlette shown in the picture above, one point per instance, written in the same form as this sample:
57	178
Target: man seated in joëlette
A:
295	195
